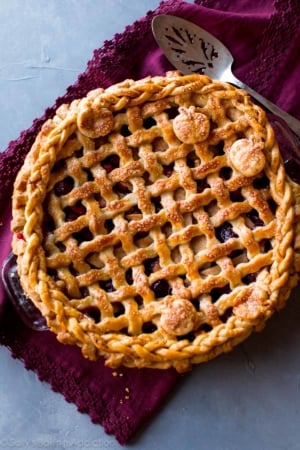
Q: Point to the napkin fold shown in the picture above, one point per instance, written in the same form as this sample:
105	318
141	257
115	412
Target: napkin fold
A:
263	37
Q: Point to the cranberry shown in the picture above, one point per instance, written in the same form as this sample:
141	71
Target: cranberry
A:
125	131
84	235
272	205
250	278
168	170
219	149
206	327
75	211
193	159
84	291
139	300
149	327
73	270
107	285
186	337
261	183
93	313
122	188
48	224
109	225
157	204
172	112
227	314
151	265
64	186
225	232
61	246
226	173
118	309
111	162
265	245
255	219
201	185
100	200
218	292
59	165
53	274
128	276
79	153
149	123
133	211
236	196
161	288
21	236
142	239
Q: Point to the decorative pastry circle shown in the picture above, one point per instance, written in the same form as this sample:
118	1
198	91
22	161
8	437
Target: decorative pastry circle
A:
154	222
247	156
179	317
191	126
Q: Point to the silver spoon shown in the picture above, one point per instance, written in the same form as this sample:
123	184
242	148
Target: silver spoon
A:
191	49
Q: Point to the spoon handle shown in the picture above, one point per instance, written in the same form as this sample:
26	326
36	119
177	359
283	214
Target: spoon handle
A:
293	123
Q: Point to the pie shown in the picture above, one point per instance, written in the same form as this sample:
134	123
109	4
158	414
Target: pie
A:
154	222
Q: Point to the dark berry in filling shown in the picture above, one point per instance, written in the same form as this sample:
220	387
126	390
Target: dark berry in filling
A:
201	185
110	163
109	225
250	278
149	123
261	183
225	232
128	276
172	112
64	186
125	131
48	224
219	149
151	265
189	337
149	327
161	288
118	309
218	292
139	300
93	313
84	291
157	204
192	159
122	188
236	196
226	173
107	285
265	245
168	170
75	211
53	274
255	219
227	314
84	235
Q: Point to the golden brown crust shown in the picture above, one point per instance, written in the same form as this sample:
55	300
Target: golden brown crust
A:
154	222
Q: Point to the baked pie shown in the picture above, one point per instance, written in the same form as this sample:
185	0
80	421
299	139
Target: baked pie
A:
154	222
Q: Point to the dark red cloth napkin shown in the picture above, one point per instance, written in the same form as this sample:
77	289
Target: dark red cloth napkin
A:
264	37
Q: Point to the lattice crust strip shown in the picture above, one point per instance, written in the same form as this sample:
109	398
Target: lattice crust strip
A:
154	222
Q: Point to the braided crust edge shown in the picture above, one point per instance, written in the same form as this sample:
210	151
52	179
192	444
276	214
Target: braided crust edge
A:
139	351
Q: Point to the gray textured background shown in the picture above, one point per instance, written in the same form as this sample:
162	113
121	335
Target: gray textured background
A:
248	399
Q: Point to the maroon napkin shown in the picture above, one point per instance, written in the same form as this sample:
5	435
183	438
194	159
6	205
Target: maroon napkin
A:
264	38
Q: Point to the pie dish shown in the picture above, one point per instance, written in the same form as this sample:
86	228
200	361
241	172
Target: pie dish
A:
154	223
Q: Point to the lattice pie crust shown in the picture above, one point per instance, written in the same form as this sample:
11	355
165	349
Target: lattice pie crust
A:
154	222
